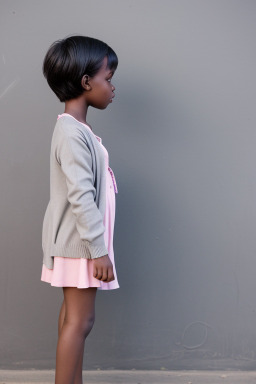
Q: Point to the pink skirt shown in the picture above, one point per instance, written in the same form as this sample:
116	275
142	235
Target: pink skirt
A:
72	272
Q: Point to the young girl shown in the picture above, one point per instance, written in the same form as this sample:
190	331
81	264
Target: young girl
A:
78	225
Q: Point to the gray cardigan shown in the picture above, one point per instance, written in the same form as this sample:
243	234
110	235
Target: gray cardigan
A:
73	221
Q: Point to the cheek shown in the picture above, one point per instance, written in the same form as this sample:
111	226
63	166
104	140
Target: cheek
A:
107	89
102	87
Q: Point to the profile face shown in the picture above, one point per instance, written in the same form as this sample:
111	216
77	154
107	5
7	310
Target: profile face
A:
102	91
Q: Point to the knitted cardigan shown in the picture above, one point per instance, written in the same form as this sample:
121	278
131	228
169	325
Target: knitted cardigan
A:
73	221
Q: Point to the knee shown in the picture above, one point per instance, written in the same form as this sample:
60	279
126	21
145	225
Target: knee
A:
87	326
80	325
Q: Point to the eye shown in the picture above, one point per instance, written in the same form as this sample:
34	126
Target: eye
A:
109	80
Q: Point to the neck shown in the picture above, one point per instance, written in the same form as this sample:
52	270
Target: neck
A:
77	108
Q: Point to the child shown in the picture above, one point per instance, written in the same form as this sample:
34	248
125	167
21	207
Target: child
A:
78	225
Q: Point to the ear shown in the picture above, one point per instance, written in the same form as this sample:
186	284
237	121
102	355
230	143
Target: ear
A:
85	83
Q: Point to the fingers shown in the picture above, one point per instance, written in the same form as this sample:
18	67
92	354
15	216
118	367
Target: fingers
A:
107	275
103	274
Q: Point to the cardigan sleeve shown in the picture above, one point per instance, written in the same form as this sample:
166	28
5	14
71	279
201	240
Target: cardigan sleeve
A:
75	160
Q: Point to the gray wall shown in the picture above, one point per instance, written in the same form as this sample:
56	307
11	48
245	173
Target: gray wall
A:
181	137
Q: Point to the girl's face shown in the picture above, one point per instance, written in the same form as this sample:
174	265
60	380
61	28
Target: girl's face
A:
101	90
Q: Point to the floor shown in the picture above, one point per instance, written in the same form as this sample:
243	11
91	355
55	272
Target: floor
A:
135	377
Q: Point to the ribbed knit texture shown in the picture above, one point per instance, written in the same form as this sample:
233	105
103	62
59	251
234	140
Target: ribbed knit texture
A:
73	221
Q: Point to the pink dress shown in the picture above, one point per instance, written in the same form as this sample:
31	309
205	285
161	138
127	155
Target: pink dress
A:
71	272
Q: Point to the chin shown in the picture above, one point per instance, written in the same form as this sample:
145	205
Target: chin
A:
105	106
100	106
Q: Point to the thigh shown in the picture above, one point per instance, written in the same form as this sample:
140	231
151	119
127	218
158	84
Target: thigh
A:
79	303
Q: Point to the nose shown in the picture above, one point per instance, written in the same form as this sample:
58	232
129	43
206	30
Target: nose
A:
113	88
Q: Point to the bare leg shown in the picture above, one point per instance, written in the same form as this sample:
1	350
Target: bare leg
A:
78	321
79	372
61	317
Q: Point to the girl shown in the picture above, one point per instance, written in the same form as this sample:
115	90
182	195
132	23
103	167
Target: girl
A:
78	225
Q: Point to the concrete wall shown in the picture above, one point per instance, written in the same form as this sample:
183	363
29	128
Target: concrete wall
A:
181	137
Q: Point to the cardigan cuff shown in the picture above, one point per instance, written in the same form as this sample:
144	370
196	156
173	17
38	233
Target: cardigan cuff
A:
97	250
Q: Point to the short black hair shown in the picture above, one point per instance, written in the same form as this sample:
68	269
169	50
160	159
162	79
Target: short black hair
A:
68	59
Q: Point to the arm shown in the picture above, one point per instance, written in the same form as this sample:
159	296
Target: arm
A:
75	160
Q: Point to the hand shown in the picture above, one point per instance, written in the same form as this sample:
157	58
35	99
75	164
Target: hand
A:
103	269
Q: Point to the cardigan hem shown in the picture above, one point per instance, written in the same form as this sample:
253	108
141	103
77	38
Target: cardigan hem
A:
73	251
